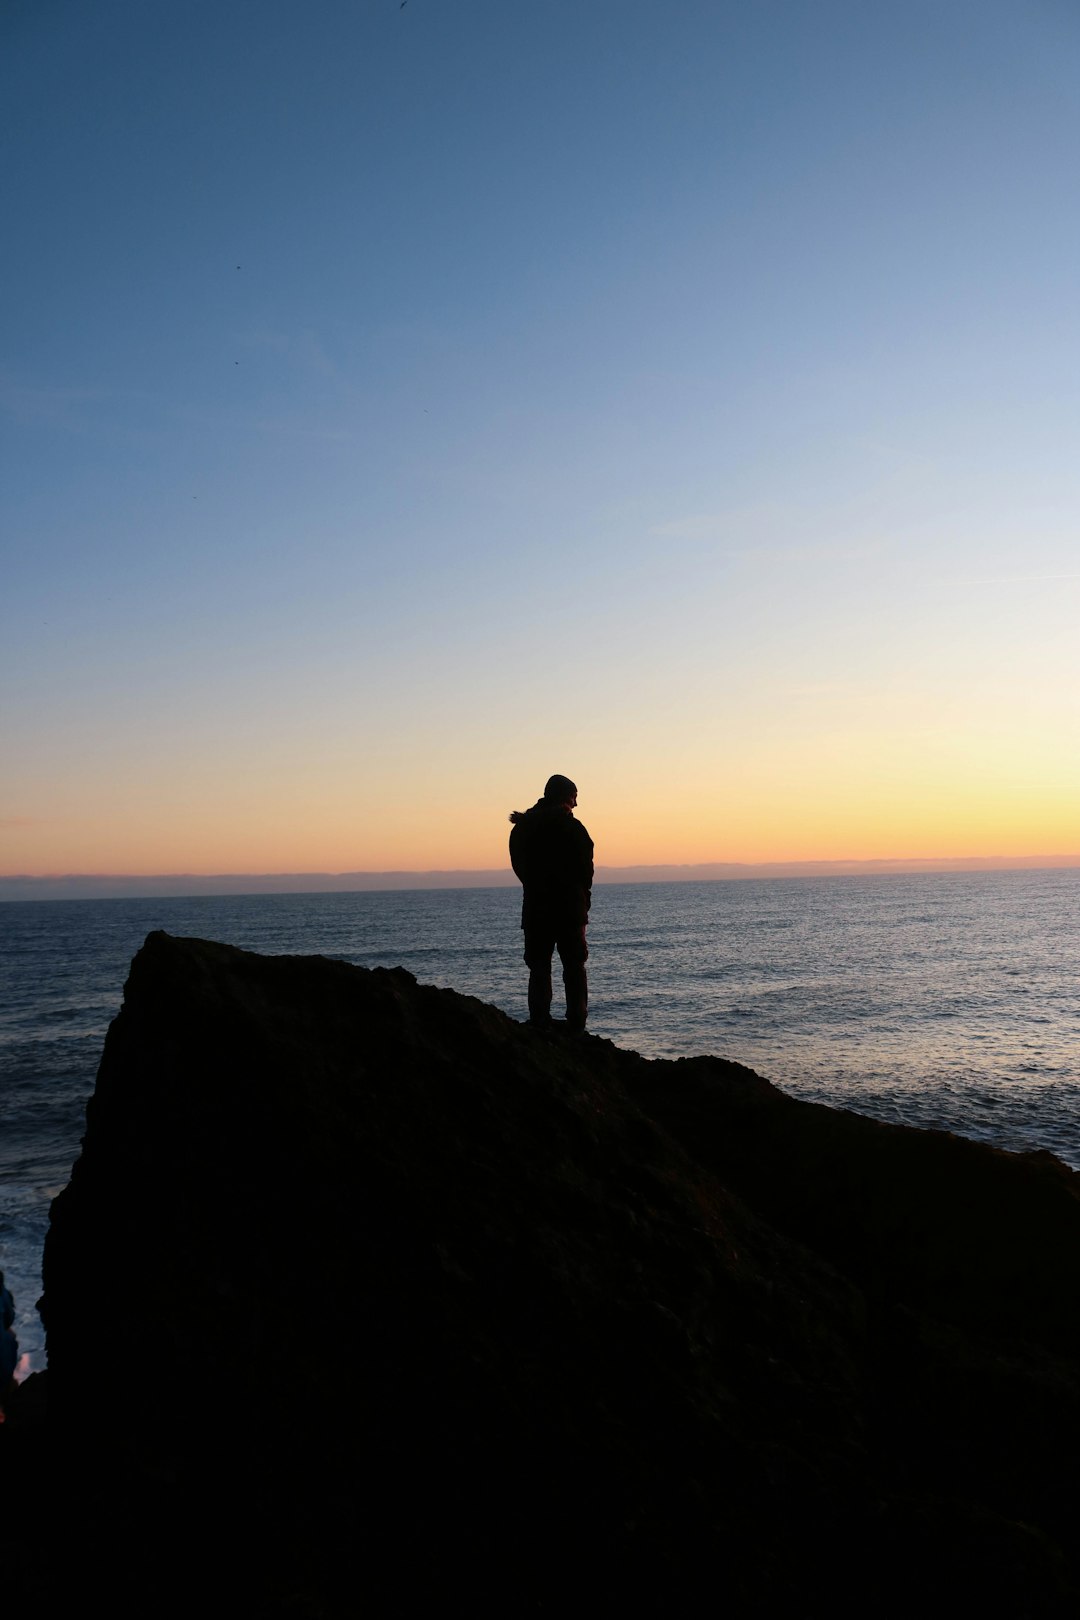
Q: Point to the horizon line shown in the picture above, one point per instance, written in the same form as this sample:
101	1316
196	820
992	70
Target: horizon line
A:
166	885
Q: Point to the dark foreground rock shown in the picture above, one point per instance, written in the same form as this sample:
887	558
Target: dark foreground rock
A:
364	1298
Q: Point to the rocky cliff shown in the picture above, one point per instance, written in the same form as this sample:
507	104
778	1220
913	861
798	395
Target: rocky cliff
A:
363	1296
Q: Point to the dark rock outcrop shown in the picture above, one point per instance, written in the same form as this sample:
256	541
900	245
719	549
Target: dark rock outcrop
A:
363	1296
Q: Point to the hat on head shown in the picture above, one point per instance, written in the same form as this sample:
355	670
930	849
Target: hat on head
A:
560	788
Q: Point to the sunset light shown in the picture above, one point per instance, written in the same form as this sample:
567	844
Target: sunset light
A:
663	395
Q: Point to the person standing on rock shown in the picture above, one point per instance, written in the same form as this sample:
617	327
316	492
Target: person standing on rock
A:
552	855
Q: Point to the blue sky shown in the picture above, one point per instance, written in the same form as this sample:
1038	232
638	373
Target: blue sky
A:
401	403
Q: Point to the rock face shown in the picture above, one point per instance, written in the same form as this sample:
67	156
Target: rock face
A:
363	1296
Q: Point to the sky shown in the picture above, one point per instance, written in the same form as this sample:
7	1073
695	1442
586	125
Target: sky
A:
401	403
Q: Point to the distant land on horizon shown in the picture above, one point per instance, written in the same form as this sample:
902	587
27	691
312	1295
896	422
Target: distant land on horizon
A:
118	886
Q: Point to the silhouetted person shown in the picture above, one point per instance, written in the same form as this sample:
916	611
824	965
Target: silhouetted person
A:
552	854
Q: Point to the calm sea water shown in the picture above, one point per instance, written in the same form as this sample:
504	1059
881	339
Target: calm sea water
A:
943	1000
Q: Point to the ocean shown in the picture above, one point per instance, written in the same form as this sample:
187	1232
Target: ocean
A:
947	1000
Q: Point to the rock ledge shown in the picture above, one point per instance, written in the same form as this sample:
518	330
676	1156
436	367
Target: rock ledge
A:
363	1295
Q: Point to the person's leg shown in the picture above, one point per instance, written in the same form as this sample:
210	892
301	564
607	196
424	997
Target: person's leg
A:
573	953
539	945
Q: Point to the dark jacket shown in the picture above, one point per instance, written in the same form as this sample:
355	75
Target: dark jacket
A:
552	855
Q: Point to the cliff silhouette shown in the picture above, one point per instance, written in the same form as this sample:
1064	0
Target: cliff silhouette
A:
363	1297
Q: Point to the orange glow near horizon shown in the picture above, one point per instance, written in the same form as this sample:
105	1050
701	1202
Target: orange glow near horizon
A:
755	793
759	828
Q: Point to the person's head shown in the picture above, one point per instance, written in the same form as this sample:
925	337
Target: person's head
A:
560	790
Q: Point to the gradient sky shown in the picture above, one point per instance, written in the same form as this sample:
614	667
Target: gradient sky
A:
401	403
